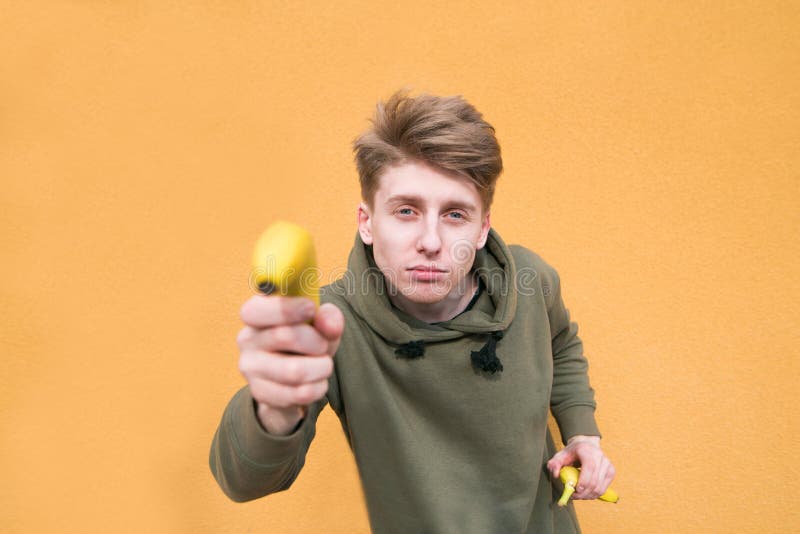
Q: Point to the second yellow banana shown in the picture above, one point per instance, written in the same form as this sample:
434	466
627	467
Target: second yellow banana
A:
569	477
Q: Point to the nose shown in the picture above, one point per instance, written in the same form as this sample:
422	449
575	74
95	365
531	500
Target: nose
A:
430	242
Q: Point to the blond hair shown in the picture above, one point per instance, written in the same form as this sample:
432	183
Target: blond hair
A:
445	132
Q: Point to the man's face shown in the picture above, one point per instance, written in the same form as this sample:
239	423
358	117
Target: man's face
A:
424	227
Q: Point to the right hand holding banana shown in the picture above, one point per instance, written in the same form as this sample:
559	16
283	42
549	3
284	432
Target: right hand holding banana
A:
288	343
285	360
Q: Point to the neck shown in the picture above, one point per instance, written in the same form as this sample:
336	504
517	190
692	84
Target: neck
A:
444	310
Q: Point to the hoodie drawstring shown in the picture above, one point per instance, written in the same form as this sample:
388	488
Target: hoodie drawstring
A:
486	360
411	350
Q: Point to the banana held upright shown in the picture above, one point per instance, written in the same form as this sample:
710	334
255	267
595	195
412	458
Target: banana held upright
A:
285	262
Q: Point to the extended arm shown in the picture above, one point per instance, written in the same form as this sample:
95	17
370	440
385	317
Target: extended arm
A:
247	461
572	398
266	429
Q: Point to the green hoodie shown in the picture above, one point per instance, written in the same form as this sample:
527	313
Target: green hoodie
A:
447	421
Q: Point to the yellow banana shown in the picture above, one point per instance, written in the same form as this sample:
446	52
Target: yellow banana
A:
569	476
285	262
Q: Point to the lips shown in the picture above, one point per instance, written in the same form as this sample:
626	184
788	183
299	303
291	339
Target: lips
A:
426	273
427	268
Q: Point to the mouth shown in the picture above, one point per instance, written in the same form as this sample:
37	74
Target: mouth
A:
426	273
427	268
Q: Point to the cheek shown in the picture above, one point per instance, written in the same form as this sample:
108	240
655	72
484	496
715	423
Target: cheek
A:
396	238
461	249
389	247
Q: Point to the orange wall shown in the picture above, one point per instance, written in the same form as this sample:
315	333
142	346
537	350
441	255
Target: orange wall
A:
651	156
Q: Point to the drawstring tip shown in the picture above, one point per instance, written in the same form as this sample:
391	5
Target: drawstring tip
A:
486	360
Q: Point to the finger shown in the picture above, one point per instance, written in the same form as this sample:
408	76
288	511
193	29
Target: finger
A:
554	466
587	481
593	488
297	339
329	321
260	311
559	460
282	396
590	456
606	479
285	370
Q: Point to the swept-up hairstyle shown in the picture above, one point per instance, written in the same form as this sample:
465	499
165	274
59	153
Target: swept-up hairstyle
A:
445	132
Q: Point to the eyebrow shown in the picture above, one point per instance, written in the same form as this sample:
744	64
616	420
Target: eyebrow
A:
418	199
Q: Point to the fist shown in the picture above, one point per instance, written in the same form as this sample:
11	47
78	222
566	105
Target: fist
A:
286	355
597	471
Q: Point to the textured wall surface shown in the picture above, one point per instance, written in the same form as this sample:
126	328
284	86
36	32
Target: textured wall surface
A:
652	156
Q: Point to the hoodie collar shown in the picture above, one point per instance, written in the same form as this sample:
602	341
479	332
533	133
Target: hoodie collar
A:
492	312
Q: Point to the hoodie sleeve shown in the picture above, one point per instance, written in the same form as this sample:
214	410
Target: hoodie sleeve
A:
572	398
247	461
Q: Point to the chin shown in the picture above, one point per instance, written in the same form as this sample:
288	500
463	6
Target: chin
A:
425	294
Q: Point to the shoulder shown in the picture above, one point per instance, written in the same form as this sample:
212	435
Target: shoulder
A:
525	258
336	292
341	293
533	269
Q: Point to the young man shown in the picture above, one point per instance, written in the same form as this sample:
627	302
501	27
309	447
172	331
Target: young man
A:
441	350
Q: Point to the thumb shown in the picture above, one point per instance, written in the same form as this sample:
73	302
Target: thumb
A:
563	457
329	322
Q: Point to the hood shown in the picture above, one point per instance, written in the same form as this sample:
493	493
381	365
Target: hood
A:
492	312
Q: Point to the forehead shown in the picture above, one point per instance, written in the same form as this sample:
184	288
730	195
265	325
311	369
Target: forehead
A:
418	179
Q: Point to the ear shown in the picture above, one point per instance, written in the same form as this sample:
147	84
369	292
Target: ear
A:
365	223
484	231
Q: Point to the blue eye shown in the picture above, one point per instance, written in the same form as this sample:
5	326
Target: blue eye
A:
456	215
405	211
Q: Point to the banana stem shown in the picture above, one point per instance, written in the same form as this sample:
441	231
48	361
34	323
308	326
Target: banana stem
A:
569	489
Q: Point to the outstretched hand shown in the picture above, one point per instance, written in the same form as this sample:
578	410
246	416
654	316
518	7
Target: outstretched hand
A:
597	472
285	360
